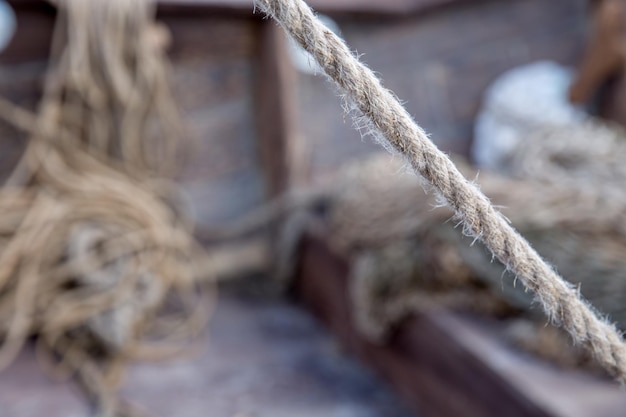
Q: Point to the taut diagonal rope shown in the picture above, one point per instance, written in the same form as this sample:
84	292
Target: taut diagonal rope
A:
399	131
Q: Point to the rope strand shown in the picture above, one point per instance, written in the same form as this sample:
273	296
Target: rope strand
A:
560	300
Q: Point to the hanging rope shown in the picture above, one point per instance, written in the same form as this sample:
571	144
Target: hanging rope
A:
397	131
97	260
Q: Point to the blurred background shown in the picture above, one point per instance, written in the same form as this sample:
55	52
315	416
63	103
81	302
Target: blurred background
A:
260	121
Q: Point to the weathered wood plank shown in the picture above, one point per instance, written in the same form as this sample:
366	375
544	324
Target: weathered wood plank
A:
362	7
447	365
387	7
276	111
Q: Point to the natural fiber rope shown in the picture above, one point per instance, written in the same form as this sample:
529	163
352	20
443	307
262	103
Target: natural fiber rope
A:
377	209
96	259
388	118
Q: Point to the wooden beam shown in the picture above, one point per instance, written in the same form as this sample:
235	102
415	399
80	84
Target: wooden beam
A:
276	104
449	365
397	8
377	7
36	17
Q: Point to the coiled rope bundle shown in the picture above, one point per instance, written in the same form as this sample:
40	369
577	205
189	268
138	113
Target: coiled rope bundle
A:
96	259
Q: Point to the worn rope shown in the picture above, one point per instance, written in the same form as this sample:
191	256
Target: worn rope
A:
97	259
374	221
400	133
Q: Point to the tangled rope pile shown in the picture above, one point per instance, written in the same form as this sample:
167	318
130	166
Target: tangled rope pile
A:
563	190
96	259
390	121
407	257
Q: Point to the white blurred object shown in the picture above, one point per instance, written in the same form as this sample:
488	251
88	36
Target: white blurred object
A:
519	101
7	24
301	59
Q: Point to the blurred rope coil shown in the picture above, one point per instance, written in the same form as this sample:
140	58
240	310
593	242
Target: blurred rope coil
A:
97	259
563	190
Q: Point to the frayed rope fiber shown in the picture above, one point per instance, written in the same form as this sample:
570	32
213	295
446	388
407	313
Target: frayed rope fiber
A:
561	302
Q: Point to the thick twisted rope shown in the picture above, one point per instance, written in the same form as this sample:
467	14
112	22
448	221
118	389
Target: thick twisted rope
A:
399	132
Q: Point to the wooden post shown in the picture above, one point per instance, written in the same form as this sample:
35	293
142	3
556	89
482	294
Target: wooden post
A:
280	151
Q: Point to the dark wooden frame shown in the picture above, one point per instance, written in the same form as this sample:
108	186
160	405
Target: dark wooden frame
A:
448	364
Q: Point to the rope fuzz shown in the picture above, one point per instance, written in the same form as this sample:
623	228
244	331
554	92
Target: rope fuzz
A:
560	300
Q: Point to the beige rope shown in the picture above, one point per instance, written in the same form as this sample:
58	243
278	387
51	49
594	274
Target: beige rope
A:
400	133
96	258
